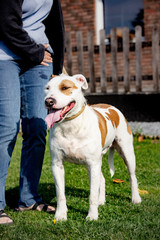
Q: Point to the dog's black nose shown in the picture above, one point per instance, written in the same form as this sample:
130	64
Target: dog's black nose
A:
49	102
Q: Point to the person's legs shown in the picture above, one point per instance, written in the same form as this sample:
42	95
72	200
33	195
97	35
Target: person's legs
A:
9	119
34	132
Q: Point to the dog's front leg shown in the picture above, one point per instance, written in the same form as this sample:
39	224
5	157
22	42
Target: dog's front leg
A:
94	177
58	173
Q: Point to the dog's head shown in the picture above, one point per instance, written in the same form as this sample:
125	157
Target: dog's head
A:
63	97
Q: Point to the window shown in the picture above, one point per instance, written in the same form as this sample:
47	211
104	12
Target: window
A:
123	13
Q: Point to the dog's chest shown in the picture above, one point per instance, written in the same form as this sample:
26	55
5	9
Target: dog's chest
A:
70	147
73	150
73	147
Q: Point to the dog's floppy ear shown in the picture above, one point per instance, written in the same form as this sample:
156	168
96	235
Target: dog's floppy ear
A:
82	80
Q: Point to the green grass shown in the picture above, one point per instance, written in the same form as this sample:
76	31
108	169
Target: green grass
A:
118	219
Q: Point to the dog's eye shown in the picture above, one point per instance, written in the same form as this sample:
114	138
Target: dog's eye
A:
65	88
48	87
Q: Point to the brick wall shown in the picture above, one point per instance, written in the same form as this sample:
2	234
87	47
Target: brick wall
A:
151	16
79	16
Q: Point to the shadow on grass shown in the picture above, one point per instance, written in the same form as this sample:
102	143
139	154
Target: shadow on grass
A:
115	196
48	194
12	197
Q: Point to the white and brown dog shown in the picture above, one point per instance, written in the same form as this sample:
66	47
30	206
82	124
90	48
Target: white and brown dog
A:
82	134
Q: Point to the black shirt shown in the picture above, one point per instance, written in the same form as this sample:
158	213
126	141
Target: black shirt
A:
18	40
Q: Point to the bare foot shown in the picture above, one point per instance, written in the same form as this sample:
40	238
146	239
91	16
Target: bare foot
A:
49	208
39	207
4	219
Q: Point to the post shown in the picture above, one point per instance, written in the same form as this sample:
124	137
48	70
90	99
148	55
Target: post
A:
114	60
69	53
91	62
80	51
138	58
126	59
155	57
103	61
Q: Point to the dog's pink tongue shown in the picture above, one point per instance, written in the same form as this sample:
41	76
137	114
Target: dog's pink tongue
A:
52	118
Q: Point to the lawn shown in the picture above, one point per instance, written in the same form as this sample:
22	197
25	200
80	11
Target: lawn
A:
119	219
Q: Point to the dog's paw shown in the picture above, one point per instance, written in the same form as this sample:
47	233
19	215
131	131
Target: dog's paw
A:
92	217
136	200
61	215
101	202
93	213
61	218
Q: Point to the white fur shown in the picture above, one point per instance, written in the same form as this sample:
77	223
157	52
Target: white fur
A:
79	141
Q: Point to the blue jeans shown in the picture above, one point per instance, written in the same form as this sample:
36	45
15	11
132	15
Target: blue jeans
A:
22	97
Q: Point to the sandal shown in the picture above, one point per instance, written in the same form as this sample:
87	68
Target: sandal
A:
35	207
5	216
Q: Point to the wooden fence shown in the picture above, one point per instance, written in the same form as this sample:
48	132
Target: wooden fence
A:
114	86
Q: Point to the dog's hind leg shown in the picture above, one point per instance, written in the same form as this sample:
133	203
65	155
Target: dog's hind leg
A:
126	151
111	160
58	173
102	197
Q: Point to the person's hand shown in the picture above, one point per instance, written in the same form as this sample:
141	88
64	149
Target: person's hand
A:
47	57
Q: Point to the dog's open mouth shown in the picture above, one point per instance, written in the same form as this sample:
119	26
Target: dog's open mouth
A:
56	115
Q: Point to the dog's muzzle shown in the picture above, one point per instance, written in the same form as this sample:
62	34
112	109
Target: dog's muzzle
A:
50	102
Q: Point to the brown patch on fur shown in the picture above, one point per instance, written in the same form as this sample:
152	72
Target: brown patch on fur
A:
101	105
102	127
128	128
67	86
113	116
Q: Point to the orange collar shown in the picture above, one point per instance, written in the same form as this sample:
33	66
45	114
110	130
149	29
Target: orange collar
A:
77	114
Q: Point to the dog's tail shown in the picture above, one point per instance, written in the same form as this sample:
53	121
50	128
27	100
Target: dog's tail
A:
111	161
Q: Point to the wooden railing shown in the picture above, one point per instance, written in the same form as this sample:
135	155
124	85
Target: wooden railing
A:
114	86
